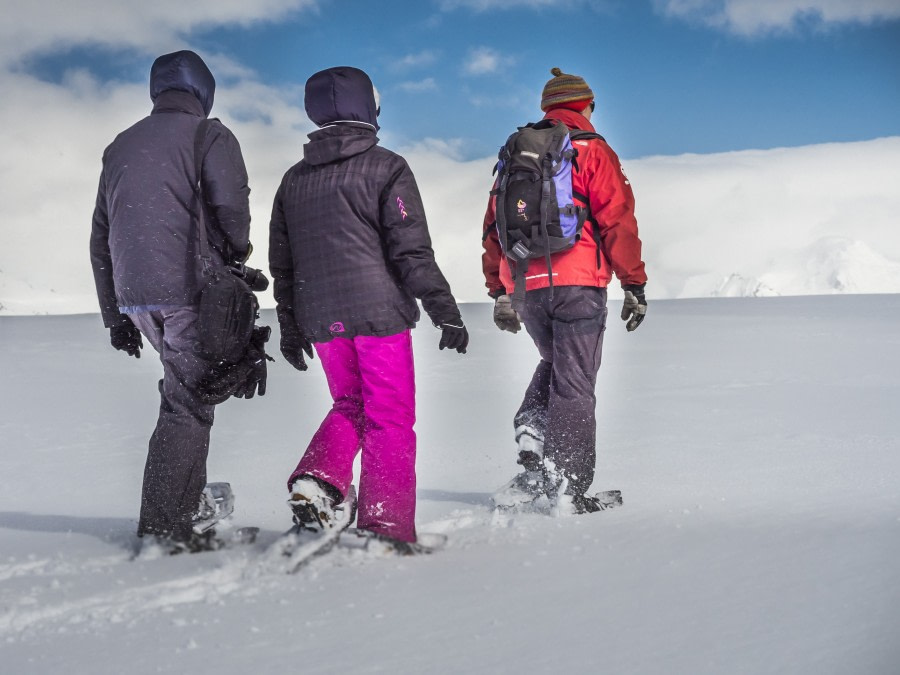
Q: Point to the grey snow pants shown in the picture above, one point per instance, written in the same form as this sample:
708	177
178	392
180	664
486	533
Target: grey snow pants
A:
175	473
560	401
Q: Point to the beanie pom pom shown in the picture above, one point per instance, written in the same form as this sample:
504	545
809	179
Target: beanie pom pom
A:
556	72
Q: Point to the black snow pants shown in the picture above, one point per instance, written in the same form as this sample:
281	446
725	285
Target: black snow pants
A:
560	401
175	473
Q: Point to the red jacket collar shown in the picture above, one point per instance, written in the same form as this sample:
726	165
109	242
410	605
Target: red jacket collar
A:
570	118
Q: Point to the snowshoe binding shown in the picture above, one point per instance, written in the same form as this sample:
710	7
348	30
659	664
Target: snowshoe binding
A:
216	504
319	519
313	504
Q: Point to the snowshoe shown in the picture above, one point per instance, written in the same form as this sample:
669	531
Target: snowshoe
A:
580	504
354	538
156	546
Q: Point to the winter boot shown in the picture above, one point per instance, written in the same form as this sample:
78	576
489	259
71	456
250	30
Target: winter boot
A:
313	502
216	504
531	447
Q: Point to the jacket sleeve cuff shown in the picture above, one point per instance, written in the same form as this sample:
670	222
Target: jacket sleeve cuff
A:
496	293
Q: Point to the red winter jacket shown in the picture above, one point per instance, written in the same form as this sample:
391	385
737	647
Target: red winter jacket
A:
600	176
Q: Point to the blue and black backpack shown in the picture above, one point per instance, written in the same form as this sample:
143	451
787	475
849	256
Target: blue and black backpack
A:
536	213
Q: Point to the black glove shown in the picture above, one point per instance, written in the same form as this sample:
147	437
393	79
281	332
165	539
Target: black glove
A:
454	336
505	316
127	338
293	344
635	307
255	358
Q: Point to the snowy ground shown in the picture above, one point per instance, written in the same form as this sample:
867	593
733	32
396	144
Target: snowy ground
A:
756	442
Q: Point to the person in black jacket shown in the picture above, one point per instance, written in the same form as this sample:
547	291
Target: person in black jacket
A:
349	252
144	253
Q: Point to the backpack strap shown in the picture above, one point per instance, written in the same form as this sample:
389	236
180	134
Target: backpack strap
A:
595	235
199	140
582	135
546	197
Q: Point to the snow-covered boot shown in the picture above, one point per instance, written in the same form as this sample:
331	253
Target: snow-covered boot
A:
216	504
313	502
531	447
522	491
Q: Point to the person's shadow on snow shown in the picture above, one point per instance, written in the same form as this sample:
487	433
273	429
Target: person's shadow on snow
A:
116	531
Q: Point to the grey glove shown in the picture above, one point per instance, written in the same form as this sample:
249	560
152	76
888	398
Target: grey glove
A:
505	316
635	307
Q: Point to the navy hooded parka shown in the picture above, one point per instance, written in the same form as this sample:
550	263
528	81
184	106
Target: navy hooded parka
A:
144	238
349	248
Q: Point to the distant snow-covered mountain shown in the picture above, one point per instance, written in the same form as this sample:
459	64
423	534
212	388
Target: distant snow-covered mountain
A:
829	265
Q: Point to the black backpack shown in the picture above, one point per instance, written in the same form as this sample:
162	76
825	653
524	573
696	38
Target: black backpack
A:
229	339
228	308
536	212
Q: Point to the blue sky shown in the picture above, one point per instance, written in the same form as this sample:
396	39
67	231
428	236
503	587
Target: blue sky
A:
667	80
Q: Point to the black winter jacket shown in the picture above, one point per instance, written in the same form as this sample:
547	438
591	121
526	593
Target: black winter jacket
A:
144	240
349	249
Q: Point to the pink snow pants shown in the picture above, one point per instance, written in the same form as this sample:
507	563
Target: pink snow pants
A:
372	382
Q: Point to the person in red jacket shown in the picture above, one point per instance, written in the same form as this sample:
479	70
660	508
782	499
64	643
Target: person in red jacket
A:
555	427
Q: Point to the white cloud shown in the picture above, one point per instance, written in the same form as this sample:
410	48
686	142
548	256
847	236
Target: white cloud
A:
421	59
418	86
754	17
759	214
53	138
746	212
488	5
53	134
484	61
157	26
703	218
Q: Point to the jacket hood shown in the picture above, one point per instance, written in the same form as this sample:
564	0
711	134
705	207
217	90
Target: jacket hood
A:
338	142
341	95
183	71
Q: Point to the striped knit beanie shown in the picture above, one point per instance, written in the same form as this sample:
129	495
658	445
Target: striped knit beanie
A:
565	91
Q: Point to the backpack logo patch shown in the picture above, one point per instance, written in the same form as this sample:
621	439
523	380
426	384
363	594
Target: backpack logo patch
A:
520	209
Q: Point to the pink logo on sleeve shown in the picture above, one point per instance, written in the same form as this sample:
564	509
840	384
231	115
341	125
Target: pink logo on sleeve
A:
337	327
402	208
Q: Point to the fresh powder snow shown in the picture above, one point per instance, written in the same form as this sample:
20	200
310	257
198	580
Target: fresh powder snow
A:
756	442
